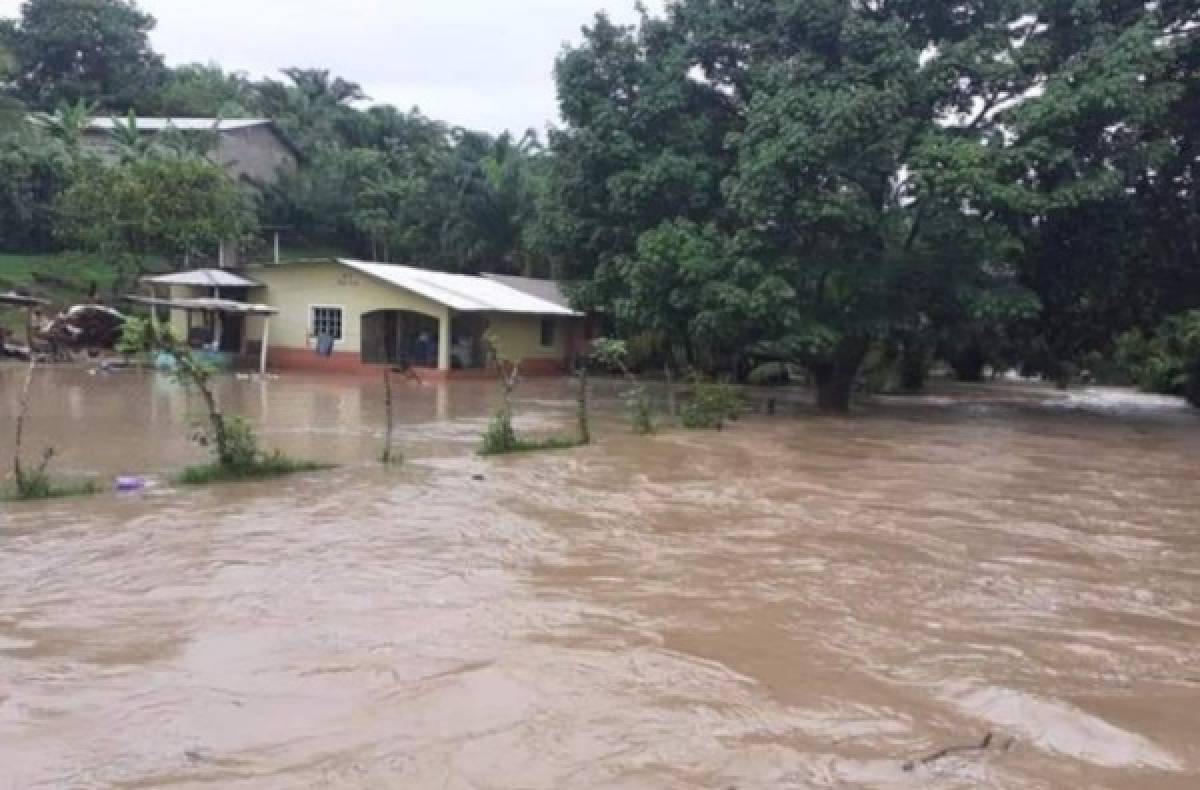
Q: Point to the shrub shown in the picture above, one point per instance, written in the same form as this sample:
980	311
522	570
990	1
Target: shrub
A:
1167	362
231	440
712	405
641	409
614	355
500	437
265	467
30	484
39	487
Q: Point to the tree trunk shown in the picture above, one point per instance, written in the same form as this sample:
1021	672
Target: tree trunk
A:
672	407
1191	389
23	409
969	363
834	377
215	418
387	406
914	370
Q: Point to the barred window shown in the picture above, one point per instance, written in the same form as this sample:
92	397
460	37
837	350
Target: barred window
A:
327	321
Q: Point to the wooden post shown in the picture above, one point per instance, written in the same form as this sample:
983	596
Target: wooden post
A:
276	246
585	430
389	416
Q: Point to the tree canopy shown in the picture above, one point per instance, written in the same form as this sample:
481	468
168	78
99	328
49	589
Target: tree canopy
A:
799	180
94	50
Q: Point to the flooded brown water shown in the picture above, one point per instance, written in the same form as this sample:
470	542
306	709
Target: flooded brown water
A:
798	602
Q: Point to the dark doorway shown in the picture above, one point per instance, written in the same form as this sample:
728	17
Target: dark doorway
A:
399	337
233	329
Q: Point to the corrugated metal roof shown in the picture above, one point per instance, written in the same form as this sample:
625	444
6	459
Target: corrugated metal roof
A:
182	124
461	292
206	305
534	286
203	278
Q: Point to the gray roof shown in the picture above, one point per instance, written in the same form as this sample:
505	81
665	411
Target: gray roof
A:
203	278
460	291
205	305
547	290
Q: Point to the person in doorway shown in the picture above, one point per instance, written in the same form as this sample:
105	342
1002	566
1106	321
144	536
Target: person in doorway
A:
426	349
460	356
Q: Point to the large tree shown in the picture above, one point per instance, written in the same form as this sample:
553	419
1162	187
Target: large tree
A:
12	111
1114	240
34	169
161	204
795	168
206	91
411	190
93	50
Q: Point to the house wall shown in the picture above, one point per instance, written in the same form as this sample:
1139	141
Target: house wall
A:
178	319
255	154
295	288
520	336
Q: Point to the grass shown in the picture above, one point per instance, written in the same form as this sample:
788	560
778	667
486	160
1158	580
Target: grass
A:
42	490
67	278
61	278
266	469
534	445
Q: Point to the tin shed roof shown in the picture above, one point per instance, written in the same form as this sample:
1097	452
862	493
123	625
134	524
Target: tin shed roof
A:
204	278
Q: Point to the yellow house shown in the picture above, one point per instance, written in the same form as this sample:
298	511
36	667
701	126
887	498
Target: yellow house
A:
347	316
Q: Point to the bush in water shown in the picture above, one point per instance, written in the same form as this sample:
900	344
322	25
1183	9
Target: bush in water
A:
614	355
231	440
1167	362
711	406
30	484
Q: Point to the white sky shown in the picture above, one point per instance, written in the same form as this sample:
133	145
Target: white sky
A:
485	64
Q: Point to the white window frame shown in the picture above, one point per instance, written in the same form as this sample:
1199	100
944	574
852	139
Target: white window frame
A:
312	319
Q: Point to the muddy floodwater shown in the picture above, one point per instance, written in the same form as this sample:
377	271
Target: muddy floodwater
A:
797	602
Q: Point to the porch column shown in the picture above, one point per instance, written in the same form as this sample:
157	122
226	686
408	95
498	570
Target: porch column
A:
266	338
444	340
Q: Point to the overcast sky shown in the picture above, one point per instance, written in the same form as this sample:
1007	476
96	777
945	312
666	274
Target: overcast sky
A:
484	64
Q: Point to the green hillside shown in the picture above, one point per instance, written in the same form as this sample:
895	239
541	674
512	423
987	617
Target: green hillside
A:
63	279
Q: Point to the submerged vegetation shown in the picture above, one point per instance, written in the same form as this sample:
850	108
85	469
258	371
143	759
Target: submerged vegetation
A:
36	483
264	467
230	439
514	445
39	487
712	405
613	354
1166	362
501	438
